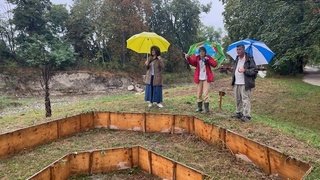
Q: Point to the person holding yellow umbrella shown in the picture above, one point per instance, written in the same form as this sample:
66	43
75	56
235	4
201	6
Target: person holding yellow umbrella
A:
149	42
153	79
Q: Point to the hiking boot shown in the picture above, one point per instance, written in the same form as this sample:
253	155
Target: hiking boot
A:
245	118
206	107
237	115
199	109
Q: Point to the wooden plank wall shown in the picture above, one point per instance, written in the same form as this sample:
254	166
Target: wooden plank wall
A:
256	152
80	163
261	155
16	141
104	161
287	166
269	160
26	138
59	169
127	121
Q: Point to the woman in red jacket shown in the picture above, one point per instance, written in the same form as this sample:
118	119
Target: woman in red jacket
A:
203	76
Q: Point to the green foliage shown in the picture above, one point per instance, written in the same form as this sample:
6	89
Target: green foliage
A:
42	26
209	33
62	54
4	52
290	28
58	17
8	102
314	55
179	22
7	34
80	29
98	31
29	16
37	51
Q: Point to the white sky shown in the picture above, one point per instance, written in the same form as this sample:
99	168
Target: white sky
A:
213	18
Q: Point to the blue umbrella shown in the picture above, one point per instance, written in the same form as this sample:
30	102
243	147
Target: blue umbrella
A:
257	49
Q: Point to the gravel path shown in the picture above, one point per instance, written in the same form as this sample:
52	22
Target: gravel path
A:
312	75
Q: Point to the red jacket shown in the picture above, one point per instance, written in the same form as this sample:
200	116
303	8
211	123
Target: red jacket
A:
194	61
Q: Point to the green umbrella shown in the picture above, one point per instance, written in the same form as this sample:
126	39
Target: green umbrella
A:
214	50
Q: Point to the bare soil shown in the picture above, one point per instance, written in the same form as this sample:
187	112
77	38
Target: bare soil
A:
130	174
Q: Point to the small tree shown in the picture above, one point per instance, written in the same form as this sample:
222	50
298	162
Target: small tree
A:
40	28
39	53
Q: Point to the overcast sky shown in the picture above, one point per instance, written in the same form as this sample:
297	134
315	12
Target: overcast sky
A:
213	18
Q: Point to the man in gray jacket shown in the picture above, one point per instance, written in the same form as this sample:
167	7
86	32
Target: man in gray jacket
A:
243	80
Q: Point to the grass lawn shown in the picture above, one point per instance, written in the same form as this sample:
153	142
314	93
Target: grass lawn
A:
285	114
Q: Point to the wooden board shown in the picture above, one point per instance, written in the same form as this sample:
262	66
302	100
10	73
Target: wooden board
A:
69	126
127	121
110	160
286	166
143	159
182	124
207	132
26	138
42	175
202	130
256	152
135	156
101	119
185	173
222	135
162	167
86	121
159	123
80	163
60	169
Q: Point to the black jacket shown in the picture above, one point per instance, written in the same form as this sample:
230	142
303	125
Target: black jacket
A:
250	73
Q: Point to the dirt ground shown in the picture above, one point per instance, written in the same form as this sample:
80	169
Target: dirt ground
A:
130	174
312	75
214	160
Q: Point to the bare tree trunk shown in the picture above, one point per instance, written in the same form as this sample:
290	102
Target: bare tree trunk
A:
46	79
123	48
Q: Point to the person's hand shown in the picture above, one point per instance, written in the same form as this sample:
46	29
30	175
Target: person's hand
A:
146	63
241	70
159	57
186	55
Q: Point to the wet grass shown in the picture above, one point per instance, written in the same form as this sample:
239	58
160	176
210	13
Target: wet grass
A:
7	102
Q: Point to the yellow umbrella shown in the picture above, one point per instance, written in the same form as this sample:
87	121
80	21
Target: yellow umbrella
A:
142	42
